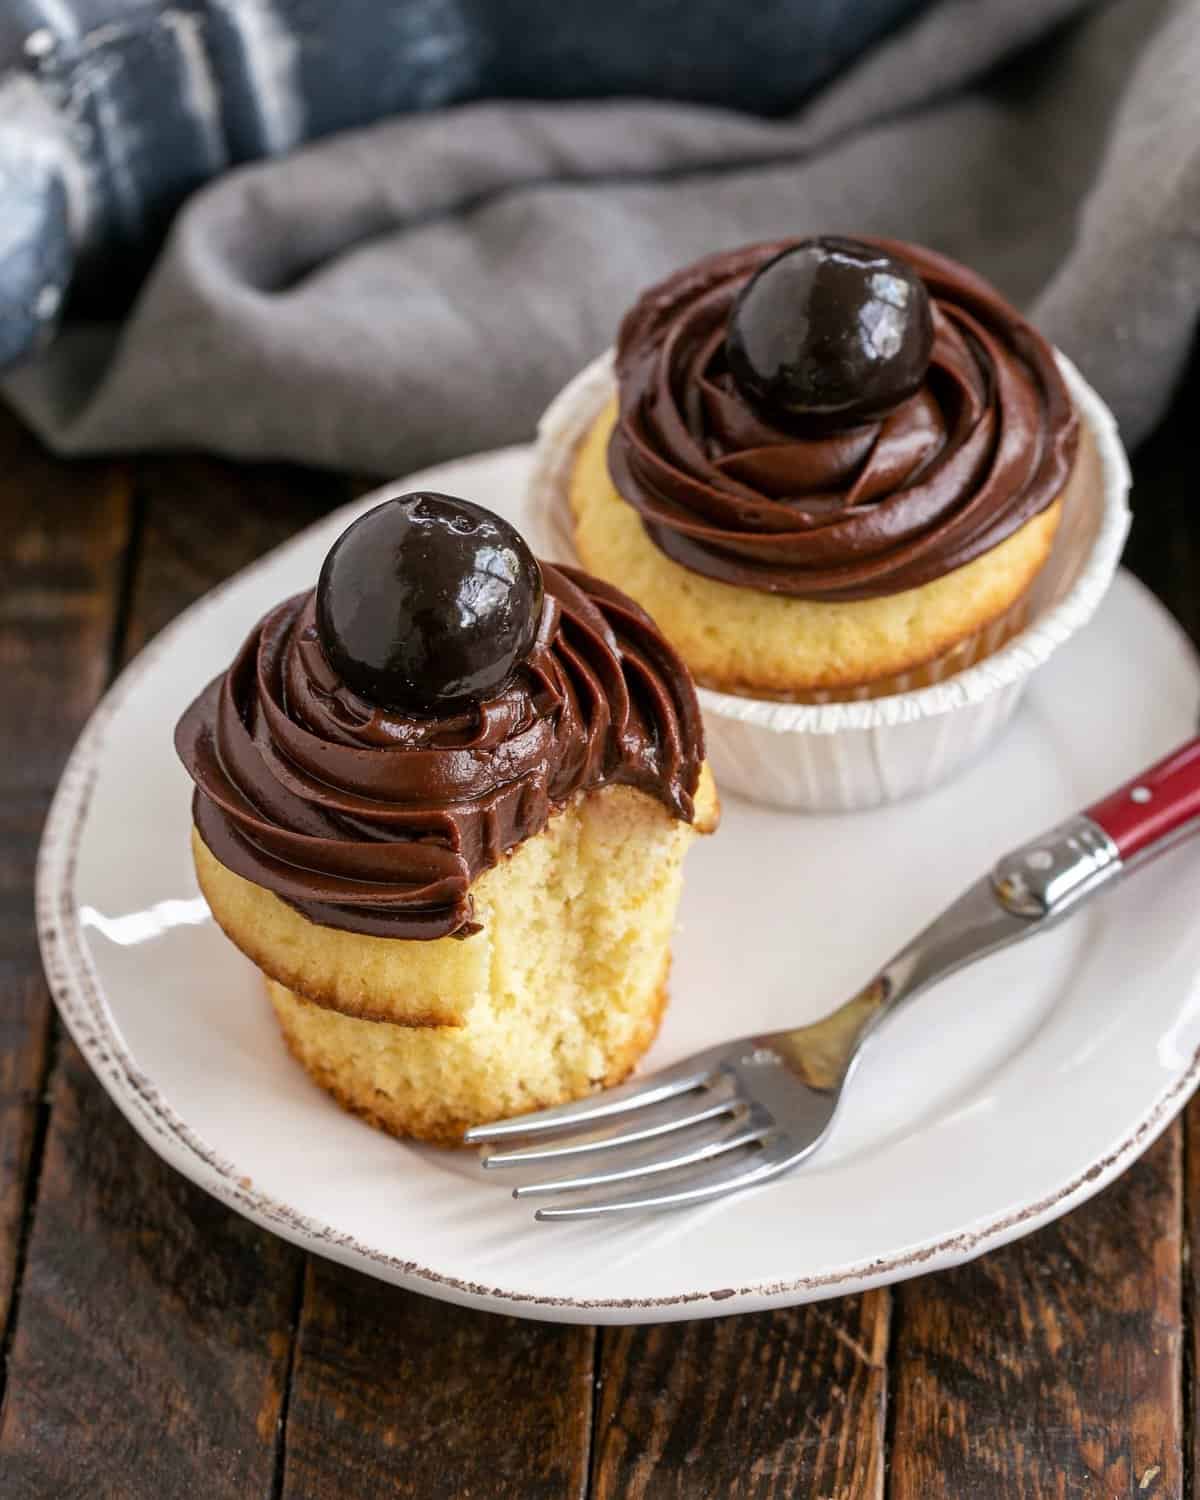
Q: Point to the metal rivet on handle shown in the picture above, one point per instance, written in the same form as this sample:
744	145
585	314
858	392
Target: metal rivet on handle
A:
1141	794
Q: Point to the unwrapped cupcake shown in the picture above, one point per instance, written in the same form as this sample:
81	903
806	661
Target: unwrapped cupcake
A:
842	475
442	802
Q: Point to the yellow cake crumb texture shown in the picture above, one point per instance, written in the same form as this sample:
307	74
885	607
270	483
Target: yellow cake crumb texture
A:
433	1082
559	993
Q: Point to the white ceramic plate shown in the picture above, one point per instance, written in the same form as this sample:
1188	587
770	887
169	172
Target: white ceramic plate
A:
1000	1100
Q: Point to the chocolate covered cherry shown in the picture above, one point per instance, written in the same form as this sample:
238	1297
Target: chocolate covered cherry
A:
831	330
427	603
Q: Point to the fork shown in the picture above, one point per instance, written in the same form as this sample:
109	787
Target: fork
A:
740	1113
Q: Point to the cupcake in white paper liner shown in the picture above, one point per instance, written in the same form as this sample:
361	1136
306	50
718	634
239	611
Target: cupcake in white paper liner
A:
898	736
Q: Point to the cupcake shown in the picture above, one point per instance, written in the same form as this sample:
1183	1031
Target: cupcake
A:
829	464
838	473
442	802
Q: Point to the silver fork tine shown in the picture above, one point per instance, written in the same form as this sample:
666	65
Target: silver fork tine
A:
551	1154
713	1146
759	1167
618	1101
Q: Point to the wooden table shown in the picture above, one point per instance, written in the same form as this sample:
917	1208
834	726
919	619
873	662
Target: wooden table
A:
155	1345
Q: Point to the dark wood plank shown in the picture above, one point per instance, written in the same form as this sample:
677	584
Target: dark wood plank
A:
65	531
1053	1367
151	1346
154	1332
1191	1302
394	1394
24	1059
772	1404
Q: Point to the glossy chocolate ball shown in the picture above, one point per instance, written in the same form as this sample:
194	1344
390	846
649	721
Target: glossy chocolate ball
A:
427	603
831	331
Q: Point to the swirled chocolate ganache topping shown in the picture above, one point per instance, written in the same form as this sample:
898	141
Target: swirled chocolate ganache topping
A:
833	419
377	818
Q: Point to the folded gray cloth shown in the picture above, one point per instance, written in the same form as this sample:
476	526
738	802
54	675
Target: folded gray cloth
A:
420	289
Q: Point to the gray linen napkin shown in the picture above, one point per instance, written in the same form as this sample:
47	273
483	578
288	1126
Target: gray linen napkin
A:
420	289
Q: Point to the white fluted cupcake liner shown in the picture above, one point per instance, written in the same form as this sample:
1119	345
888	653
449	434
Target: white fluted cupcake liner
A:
894	739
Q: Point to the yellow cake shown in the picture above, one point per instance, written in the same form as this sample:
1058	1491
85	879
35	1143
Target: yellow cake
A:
538	1009
465	913
764	645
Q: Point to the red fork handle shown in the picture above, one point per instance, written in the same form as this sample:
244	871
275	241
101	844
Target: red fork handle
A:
1149	809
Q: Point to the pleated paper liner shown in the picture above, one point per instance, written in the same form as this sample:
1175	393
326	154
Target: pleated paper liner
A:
898	736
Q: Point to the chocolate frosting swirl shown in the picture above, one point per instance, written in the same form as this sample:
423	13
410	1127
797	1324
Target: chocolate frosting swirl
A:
365	819
983	446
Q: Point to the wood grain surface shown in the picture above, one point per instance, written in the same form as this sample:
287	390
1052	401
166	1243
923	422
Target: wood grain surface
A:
393	1394
1191	1297
158	1346
154	1330
766	1405
63	538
